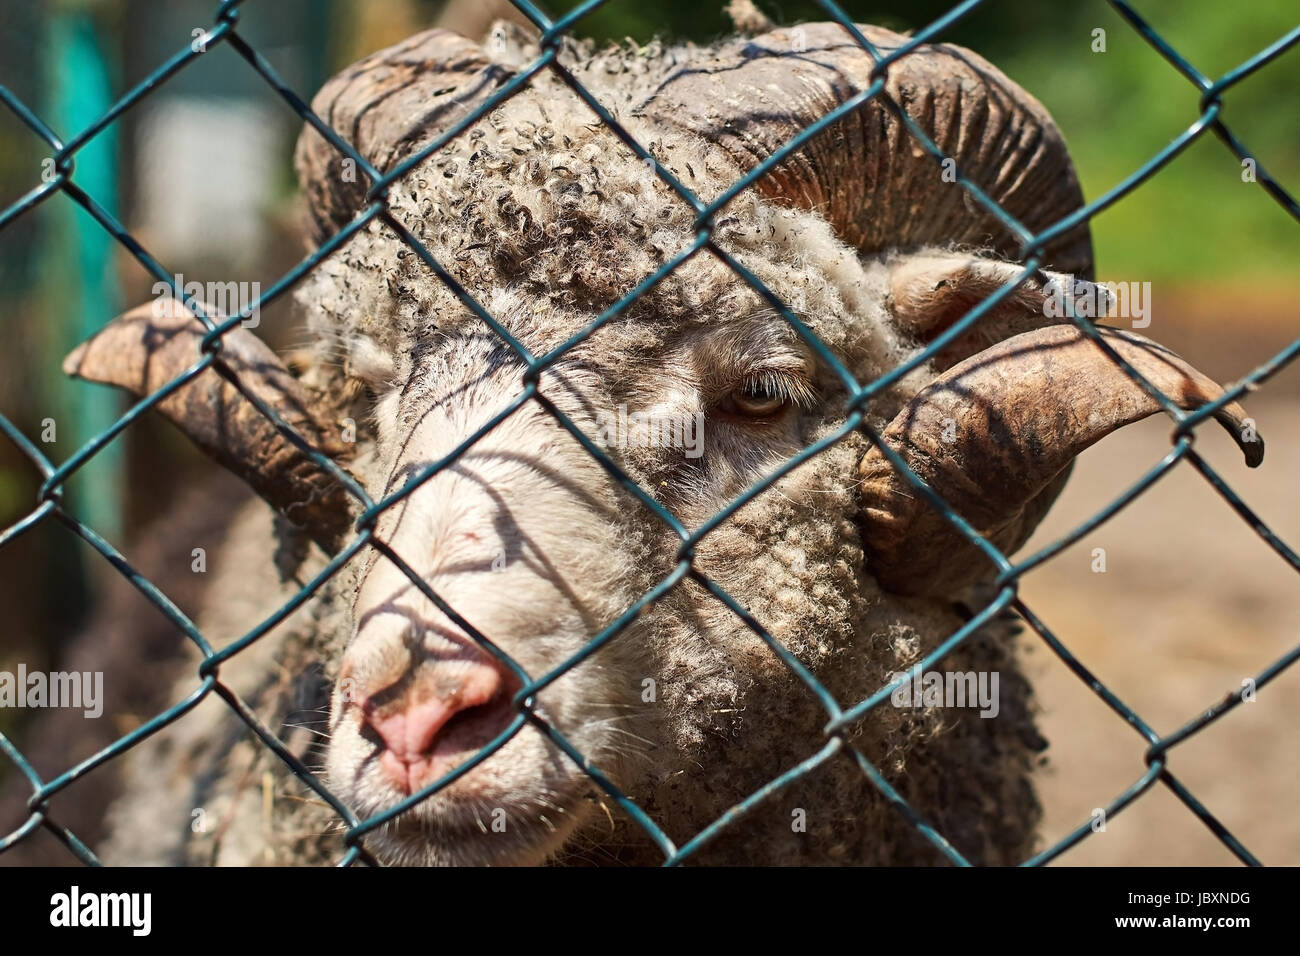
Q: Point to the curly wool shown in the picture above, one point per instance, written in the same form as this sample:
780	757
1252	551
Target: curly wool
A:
545	218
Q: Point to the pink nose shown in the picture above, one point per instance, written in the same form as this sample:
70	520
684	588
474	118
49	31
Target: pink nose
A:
414	730
409	734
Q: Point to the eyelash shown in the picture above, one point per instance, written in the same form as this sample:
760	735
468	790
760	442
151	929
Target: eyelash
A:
791	389
767	393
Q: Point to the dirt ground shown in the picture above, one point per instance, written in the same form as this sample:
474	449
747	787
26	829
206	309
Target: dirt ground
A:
1192	602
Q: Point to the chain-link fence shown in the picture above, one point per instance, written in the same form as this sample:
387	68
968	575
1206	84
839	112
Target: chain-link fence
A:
225	33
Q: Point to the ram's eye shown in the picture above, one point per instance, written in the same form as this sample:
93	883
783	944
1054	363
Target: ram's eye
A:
756	400
766	395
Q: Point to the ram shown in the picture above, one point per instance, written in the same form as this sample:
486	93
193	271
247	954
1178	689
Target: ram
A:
533	223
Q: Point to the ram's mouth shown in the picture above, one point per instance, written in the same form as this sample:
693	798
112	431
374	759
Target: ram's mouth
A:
495	813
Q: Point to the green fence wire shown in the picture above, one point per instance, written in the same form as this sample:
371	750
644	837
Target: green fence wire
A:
225	32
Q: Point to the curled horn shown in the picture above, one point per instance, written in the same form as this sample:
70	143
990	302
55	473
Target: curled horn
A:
387	105
141	352
866	173
1023	409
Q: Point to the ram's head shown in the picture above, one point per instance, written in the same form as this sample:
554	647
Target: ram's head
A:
538	216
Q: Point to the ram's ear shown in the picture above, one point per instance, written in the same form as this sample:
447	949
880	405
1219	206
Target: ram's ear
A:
930	292
150	346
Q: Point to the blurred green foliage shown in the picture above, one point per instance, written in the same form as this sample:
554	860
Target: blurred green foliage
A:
1196	220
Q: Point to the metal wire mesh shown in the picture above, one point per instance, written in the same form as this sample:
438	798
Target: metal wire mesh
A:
225	32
